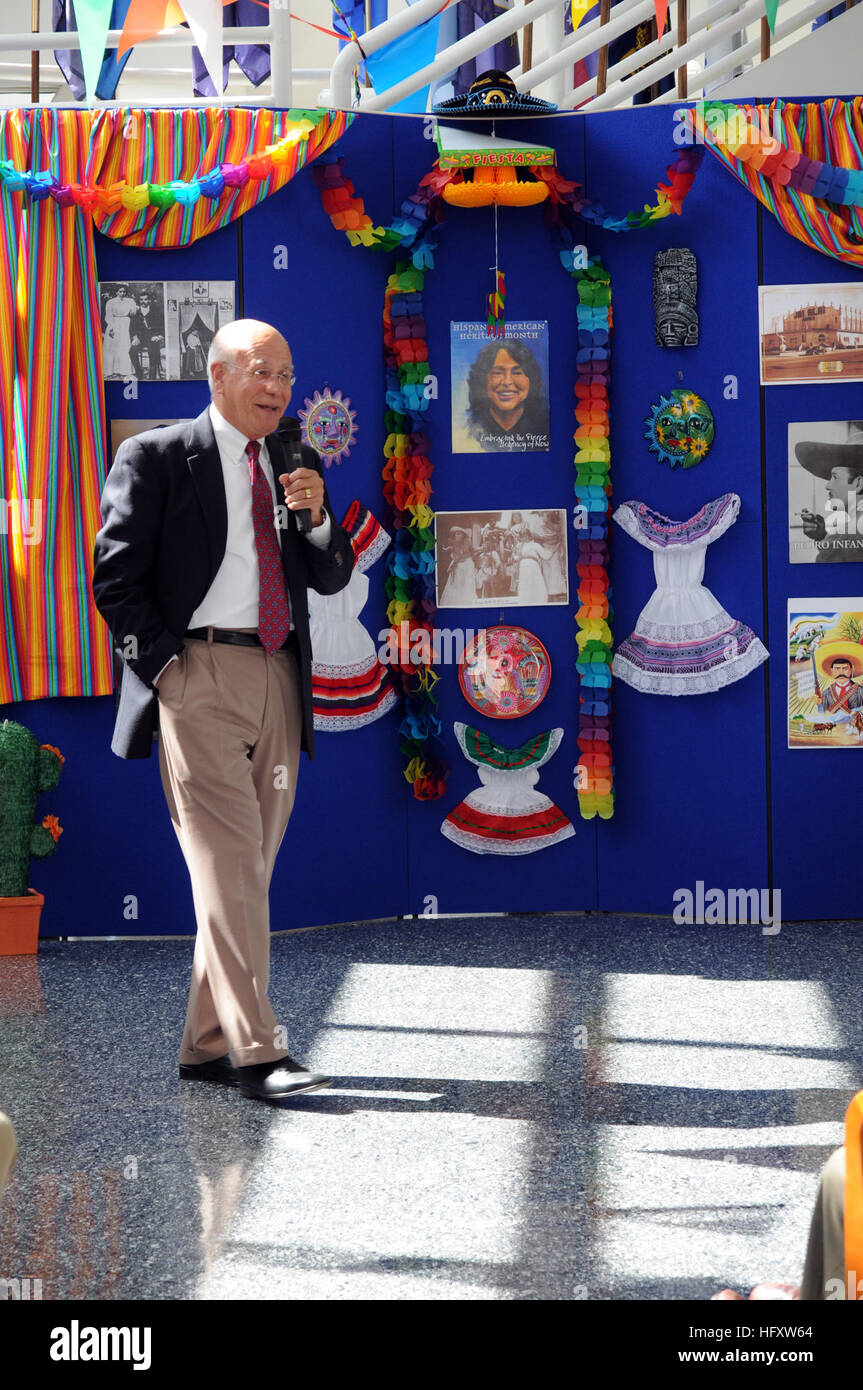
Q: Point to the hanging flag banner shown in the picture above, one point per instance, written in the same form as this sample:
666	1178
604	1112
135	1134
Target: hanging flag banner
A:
579	9
403	56
146	18
771	6
205	22
661	8
94	21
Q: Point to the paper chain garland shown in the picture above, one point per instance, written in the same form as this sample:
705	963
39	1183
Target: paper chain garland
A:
104	198
595	770
410	569
595	773
410	563
760	150
669	196
407	472
410	231
773	160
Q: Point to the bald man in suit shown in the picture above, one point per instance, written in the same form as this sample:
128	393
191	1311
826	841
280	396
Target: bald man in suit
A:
201	572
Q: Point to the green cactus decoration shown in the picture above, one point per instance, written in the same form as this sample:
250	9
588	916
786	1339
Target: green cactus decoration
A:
26	769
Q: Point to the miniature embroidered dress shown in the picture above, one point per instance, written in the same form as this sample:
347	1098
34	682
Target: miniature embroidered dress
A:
350	687
684	642
505	815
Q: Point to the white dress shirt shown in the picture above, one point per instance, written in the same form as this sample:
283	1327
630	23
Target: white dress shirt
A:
232	599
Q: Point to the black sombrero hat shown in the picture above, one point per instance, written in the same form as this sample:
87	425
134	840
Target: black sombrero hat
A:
493	94
820	458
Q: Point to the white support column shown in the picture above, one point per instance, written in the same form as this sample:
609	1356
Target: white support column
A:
555	37
281	65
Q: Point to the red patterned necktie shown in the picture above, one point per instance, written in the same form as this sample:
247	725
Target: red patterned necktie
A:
274	620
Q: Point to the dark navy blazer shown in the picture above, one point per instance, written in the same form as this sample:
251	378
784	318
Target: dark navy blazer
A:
163	537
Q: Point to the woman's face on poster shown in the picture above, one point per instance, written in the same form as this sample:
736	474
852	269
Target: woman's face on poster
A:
508	383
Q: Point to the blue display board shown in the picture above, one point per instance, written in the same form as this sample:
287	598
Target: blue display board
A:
706	790
815	792
691	771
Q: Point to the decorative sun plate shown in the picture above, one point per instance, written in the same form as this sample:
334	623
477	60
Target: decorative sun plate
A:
680	428
505	672
329	425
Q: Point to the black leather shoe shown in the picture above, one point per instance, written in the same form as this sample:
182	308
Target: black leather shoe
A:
275	1080
219	1070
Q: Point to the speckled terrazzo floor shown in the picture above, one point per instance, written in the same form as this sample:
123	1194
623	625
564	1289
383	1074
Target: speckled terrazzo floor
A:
526	1108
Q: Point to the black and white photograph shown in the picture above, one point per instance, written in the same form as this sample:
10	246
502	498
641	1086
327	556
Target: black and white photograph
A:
133	330
517	558
201	308
810	333
161	330
825	491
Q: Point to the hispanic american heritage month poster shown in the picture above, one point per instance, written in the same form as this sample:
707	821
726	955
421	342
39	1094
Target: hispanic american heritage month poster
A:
499	388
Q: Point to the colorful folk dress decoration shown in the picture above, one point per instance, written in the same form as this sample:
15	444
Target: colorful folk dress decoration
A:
350	687
684	642
505	815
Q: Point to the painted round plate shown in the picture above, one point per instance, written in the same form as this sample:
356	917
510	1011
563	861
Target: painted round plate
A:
329	425
505	672
680	428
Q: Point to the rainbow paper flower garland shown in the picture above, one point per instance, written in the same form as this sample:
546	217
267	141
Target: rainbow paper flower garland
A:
762	152
407	472
410	570
595	772
669	196
104	198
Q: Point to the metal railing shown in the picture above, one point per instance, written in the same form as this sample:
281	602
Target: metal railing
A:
722	20
725	23
719	34
276	35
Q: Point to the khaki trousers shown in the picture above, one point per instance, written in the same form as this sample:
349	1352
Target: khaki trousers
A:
8	1149
229	747
825	1252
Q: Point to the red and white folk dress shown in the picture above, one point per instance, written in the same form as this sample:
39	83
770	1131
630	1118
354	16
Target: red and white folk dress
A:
350	687
505	815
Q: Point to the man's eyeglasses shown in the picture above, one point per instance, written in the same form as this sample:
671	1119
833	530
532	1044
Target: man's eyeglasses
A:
264	376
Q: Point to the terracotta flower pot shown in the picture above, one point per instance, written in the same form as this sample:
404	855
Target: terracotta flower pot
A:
19	924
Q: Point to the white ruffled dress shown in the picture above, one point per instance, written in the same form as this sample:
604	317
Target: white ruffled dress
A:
684	642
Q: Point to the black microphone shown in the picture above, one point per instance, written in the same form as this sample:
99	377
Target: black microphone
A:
288	431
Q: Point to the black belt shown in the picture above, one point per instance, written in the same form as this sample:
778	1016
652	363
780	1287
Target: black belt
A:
239	639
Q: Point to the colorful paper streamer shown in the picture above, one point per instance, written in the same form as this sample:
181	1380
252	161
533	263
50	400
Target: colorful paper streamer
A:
103	198
497	307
